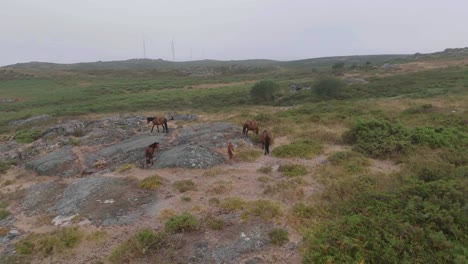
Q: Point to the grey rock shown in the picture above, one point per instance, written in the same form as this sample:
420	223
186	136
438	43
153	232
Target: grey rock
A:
76	193
61	162
40	197
178	116
188	156
71	127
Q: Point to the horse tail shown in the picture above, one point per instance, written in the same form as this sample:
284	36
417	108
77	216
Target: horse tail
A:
165	123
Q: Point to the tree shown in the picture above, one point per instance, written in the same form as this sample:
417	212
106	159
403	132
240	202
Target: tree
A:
329	87
265	90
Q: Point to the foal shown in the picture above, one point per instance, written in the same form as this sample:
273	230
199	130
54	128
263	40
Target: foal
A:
149	153
266	140
230	149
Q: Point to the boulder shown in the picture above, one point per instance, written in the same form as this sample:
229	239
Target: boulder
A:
62	162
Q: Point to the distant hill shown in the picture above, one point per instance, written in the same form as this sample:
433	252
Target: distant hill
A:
137	64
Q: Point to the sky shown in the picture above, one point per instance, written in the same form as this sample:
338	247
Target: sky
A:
69	31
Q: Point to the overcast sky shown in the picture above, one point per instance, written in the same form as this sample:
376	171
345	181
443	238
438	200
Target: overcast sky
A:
67	31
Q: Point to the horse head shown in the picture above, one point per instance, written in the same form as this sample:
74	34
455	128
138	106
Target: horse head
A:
149	119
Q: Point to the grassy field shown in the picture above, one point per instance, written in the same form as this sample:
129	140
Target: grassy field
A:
418	120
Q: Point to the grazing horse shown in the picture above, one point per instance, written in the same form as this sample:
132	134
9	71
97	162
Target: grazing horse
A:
230	149
250	125
266	140
149	153
158	121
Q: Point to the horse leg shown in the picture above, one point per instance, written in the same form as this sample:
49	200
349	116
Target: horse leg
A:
152	128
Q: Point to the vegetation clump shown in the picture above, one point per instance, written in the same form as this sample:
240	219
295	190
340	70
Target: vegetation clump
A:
292	170
151	182
50	243
144	242
249	155
185	222
306	148
278	236
27	136
265	91
185	185
378	138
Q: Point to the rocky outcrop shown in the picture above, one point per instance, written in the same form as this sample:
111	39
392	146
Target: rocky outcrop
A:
62	162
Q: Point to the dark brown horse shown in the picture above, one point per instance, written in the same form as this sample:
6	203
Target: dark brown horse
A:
149	153
158	121
266	141
230	149
250	125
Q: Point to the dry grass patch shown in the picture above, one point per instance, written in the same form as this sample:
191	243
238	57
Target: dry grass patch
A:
151	182
220	187
45	244
213	172
125	167
293	170
184	185
265	169
249	155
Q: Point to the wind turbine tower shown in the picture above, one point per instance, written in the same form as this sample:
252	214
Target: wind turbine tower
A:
173	49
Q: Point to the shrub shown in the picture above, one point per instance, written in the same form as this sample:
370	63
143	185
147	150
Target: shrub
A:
434	137
278	236
144	242
181	223
27	136
329	87
292	170
49	243
419	222
151	182
185	185
378	138
220	187
300	149
264	91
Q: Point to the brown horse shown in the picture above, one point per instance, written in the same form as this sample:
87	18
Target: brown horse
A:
158	121
250	125
230	149
266	140
149	153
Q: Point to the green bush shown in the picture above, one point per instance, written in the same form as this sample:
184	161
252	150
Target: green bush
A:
292	170
303	211
420	222
278	236
329	87
300	149
435	137
181	223
378	138
144	242
27	136
264	91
